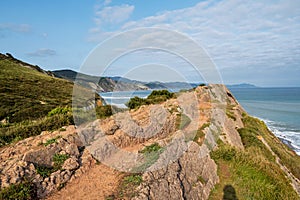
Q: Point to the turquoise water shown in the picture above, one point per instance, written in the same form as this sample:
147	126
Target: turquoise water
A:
278	107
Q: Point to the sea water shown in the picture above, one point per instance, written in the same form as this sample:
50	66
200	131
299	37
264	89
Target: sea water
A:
279	108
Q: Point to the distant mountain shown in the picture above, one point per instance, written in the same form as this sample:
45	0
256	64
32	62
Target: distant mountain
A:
242	85
100	84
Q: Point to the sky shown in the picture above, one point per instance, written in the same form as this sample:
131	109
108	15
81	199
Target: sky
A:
255	42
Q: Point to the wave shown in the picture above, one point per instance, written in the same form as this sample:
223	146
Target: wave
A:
290	137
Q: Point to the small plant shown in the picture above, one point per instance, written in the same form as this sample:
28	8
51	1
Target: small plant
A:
44	171
51	141
151	148
59	110
201	179
128	186
133	180
59	160
21	191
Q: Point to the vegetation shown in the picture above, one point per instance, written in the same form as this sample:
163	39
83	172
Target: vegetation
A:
199	137
128	186
151	148
32	102
59	160
21	191
151	154
27	94
182	121
51	141
25	129
287	157
156	96
253	173
107	110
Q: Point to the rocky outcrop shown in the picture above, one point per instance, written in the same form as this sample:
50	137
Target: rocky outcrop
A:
185	129
49	160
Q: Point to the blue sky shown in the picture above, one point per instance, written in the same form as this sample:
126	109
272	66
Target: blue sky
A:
249	41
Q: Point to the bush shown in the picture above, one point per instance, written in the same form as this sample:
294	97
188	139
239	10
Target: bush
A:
156	96
107	110
32	128
59	160
22	191
60	110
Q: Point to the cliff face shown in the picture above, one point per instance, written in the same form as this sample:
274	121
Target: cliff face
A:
200	145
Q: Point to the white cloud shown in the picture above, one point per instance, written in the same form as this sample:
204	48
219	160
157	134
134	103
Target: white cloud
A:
42	53
239	35
107	18
107	2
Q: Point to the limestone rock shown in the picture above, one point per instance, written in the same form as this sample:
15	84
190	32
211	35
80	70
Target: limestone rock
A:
70	164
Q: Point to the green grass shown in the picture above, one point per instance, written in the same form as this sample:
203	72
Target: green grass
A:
22	191
288	157
27	94
52	141
151	154
253	172
128	186
32	102
151	148
59	160
25	129
44	171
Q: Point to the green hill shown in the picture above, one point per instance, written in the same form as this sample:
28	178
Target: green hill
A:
27	96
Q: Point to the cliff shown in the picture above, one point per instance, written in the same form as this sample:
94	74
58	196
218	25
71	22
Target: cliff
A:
199	145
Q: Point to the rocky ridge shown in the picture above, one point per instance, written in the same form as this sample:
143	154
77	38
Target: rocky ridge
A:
185	129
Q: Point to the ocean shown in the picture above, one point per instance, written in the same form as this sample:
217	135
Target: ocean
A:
279	108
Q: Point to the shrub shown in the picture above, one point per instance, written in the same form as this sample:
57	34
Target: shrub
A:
151	148
59	160
22	191
60	110
156	96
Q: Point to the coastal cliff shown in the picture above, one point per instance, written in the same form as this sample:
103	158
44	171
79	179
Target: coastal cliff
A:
200	144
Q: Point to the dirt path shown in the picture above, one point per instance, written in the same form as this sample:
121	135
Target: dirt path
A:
294	180
96	184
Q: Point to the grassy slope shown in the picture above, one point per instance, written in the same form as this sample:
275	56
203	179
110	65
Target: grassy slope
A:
253	173
26	98
26	94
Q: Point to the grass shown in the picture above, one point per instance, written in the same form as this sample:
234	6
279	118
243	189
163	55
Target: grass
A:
288	157
27	94
25	129
128	186
52	141
199	137
252	173
22	191
32	102
59	160
151	154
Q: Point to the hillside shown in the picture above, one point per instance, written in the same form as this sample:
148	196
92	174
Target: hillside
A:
167	150
100	84
27	95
